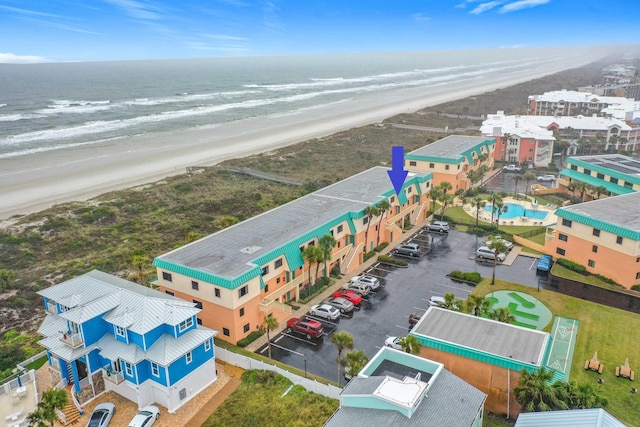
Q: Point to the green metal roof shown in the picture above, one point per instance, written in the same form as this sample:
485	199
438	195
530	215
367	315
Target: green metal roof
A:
592	180
449	160
607	171
224	282
597	223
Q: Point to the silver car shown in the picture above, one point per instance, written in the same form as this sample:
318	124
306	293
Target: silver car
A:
325	311
341	304
367	280
145	417
101	415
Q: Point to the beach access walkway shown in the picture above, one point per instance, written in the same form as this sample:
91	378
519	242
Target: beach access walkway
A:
250	172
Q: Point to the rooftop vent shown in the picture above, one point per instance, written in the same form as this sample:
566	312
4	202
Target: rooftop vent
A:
250	249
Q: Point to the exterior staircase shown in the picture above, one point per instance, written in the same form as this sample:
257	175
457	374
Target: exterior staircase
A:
71	413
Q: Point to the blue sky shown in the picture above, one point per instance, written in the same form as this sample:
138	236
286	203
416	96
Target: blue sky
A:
95	30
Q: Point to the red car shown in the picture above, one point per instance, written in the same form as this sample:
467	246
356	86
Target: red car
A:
349	296
307	327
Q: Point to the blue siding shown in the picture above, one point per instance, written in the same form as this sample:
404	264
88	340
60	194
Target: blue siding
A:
93	330
152	336
179	369
148	372
130	378
136	339
194	325
119	337
95	361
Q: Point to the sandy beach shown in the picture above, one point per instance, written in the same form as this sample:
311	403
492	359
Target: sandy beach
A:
33	183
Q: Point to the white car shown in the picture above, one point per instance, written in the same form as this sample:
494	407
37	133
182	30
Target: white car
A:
440	226
325	311
436	301
101	415
393	342
485	252
512	168
145	417
507	244
367	280
547	178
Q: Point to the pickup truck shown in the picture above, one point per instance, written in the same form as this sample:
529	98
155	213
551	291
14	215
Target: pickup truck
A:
307	327
512	168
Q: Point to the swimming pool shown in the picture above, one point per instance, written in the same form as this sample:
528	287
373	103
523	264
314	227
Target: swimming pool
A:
514	211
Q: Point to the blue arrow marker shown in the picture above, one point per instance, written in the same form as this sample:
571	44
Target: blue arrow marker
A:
397	174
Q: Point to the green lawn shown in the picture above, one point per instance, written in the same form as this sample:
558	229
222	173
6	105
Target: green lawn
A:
36	364
259	401
561	271
457	213
598	332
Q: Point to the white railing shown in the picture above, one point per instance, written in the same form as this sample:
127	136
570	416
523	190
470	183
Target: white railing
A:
246	362
112	376
22	365
75	402
62	384
10	384
74	340
61	416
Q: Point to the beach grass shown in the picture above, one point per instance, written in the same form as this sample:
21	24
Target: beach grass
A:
607	330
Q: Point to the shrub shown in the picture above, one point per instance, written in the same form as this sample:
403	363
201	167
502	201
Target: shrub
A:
636	287
335	271
471	276
381	246
573	266
607	280
250	338
391	260
368	255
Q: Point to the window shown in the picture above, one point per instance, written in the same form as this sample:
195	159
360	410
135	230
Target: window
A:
216	291
592	263
242	312
365	220
446	167
169	293
458	167
574	167
207	345
265	270
619	240
412	163
560	251
189	357
587	172
432	165
186	324
596	232
154	369
194	285
638	259
409	189
266	288
128	369
278	263
243	291
594	249
340	228
563	237
600	175
198	321
246	328
166	276
121	331
392	199
637	275
566	222
628	184
198	304
225	332
613	180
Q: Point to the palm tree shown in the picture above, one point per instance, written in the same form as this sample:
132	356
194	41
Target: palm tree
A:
535	393
582	187
445	187
503	315
355	360
482	171
342	340
600	190
517	178
51	400
445	199
499	248
584	396
451	302
410	344
502	208
478	203
269	324
494	198
326	244
434	194
383	207
505	142
6	276
138	262
473	176
528	177
477	305
370	212
312	254
573	186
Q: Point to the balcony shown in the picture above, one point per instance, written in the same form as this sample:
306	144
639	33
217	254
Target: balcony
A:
73	340
112	376
51	307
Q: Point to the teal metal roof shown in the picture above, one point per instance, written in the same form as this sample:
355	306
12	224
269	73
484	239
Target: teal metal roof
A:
596	163
229	283
592	180
452	149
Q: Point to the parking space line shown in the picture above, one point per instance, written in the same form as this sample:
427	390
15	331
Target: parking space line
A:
320	319
297	338
533	263
286	349
279	338
453	287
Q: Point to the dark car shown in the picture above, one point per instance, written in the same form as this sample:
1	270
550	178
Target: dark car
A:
307	327
413	319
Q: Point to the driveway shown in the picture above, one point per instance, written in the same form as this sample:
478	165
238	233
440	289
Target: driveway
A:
403	291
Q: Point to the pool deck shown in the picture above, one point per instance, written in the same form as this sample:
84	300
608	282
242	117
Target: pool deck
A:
485	216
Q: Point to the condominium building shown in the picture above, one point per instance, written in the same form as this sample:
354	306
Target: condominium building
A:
603	235
571	103
618	175
250	270
450	159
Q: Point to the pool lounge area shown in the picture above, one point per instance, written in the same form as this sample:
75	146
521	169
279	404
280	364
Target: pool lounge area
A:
519	212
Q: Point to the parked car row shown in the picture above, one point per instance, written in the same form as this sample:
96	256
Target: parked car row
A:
103	413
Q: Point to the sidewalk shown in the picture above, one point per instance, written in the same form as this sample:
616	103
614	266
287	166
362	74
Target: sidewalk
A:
329	291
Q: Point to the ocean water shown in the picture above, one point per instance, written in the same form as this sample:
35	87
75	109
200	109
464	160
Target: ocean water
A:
46	107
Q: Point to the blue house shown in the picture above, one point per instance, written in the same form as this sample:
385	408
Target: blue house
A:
103	333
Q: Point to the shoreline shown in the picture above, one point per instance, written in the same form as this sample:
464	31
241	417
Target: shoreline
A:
40	181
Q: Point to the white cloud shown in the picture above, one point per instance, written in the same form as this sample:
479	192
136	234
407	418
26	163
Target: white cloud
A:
138	9
27	12
10	58
483	7
521	4
224	37
270	16
420	17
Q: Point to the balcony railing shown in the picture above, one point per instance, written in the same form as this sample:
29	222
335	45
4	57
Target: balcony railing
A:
52	308
73	340
112	376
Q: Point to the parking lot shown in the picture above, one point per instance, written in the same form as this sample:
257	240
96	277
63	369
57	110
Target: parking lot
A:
504	182
404	290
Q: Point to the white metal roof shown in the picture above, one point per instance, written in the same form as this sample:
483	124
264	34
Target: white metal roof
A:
515	125
575	96
571	418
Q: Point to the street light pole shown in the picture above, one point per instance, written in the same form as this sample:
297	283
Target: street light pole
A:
305	368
